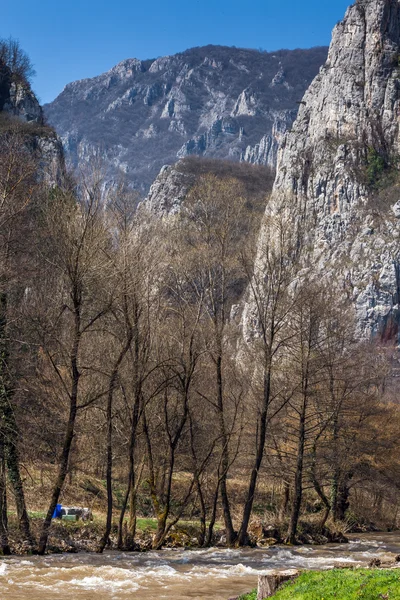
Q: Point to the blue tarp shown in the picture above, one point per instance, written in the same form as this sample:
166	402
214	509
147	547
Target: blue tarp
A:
57	512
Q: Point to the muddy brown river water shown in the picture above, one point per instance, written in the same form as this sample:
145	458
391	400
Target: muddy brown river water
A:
213	574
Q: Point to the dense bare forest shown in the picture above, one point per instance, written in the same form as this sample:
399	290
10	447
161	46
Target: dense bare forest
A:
128	382
123	360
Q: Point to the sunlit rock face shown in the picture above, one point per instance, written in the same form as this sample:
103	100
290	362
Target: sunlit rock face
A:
168	191
266	151
17	101
212	101
348	116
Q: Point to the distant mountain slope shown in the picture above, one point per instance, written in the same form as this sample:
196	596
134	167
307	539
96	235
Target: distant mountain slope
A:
213	101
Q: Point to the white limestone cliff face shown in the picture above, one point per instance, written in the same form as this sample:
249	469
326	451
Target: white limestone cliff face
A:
168	191
246	105
218	135
266	151
52	163
352	106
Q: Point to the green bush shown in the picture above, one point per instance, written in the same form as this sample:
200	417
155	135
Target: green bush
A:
376	165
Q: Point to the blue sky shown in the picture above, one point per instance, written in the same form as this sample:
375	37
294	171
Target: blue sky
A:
73	39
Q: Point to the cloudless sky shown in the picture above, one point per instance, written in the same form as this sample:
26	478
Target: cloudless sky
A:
74	39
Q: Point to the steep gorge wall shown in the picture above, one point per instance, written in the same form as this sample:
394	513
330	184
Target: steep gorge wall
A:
349	113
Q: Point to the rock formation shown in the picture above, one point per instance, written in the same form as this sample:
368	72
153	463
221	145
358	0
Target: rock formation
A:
17	101
336	164
212	101
168	191
266	151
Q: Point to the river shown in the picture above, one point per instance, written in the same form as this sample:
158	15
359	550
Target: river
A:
213	574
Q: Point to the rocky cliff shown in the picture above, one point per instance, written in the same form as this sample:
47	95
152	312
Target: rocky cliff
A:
169	191
20	110
265	152
212	101
17	99
338	166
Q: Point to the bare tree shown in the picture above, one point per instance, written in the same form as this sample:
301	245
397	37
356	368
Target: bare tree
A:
18	187
305	366
216	219
272	296
17	60
74	243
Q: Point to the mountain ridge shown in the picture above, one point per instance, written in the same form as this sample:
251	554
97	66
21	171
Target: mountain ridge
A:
214	101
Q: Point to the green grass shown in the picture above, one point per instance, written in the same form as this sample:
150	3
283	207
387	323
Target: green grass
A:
33	514
150	523
341	584
37	514
143	524
251	596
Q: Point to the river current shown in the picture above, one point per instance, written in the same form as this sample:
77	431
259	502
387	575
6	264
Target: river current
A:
212	574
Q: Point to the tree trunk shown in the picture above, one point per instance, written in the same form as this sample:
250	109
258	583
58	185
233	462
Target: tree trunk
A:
131	529
243	537
269	584
298	480
211	524
10	429
110	398
318	487
120	543
69	434
137	401
203	510
4	544
325	502
230	532
162	515
203	516
131	533
336	470
160	533
106	535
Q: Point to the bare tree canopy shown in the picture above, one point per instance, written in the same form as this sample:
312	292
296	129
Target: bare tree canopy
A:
17	60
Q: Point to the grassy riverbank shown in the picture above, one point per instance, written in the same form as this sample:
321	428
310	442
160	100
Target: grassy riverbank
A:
343	584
